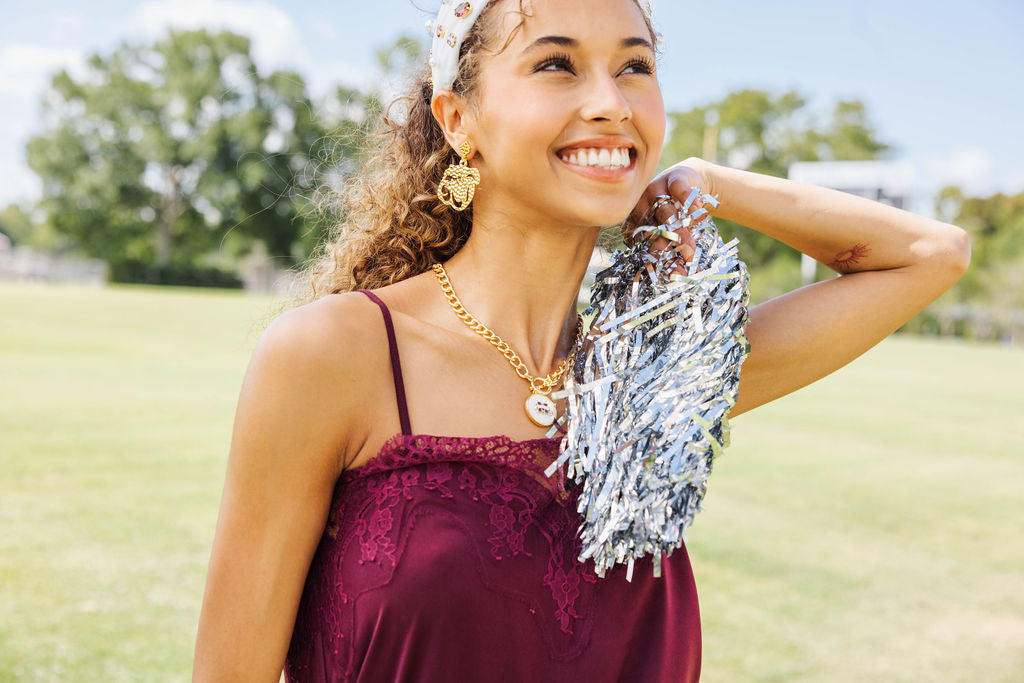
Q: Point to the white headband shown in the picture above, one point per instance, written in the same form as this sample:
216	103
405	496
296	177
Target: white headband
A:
451	27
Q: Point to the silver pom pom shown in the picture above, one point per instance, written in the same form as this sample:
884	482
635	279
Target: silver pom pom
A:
648	394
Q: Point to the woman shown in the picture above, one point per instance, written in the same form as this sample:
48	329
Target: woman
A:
385	515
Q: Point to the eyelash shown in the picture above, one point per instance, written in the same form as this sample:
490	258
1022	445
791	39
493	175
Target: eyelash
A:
561	58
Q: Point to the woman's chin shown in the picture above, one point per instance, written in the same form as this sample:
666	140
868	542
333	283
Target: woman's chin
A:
606	218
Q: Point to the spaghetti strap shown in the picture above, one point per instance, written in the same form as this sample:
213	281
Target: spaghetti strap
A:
396	364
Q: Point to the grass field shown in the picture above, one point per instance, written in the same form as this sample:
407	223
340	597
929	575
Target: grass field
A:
866	528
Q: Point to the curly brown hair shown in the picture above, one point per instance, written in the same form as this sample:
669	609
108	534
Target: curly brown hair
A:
391	225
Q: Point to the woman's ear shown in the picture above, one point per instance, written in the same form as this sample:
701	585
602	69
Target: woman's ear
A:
449	110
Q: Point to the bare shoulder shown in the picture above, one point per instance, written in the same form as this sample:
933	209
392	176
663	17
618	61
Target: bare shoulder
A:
323	357
318	322
331	328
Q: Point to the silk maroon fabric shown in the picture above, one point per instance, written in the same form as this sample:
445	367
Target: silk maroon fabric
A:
454	559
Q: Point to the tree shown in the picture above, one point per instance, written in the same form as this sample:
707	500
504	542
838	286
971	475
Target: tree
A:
16	223
996	227
177	152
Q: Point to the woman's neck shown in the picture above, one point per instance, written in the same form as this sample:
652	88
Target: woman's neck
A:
524	284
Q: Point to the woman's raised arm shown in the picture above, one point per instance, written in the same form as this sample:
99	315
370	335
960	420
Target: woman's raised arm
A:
291	433
892	263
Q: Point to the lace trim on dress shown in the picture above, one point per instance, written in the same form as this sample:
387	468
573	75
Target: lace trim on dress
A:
407	450
486	470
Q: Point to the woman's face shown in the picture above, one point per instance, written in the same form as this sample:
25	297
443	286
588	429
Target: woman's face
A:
569	120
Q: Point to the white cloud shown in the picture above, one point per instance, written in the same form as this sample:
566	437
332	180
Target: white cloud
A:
324	27
27	67
969	167
974	169
276	41
1012	182
64	25
327	76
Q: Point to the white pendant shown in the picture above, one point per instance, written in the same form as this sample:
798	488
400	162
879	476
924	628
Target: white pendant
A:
541	410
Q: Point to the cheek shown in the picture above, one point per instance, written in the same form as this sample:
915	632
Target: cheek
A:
522	126
653	126
652	113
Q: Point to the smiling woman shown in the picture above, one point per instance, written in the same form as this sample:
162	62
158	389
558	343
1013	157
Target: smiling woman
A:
386	515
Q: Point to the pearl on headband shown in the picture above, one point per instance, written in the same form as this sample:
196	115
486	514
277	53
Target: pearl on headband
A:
452	26
449	30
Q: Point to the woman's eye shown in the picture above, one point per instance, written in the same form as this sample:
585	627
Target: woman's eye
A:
555	63
642	66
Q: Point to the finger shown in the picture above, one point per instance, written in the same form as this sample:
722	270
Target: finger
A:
682	251
659	243
681	263
680	188
676	223
666	211
689	248
643	207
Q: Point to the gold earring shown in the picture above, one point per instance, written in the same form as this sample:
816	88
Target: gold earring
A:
459	181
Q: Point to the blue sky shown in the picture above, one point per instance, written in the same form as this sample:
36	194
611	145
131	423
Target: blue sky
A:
942	81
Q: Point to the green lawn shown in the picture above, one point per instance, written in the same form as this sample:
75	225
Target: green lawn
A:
866	528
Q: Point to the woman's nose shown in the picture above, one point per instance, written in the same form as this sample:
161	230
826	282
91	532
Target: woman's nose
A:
605	101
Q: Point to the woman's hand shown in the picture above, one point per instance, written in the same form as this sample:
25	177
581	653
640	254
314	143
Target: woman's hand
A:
676	182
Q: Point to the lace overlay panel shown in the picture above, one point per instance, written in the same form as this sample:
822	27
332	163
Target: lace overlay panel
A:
497	486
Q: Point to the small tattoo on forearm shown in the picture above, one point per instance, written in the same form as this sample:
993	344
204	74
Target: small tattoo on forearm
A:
845	260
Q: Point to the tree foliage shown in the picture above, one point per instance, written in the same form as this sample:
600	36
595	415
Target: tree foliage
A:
182	153
996	227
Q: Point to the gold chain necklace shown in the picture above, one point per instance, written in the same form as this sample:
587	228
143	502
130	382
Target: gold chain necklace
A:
539	407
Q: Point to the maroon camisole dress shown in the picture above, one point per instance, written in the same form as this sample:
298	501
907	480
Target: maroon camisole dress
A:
455	559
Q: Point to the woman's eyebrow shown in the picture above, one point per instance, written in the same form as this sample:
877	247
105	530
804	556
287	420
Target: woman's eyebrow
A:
566	41
634	42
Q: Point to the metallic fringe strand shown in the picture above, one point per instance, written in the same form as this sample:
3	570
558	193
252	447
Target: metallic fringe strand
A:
648	394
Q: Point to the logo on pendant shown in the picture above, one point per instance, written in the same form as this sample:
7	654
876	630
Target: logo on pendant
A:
541	410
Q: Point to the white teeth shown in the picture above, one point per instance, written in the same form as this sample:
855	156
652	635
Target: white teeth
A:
601	158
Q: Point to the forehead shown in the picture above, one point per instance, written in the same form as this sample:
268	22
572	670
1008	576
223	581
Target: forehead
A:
588	21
